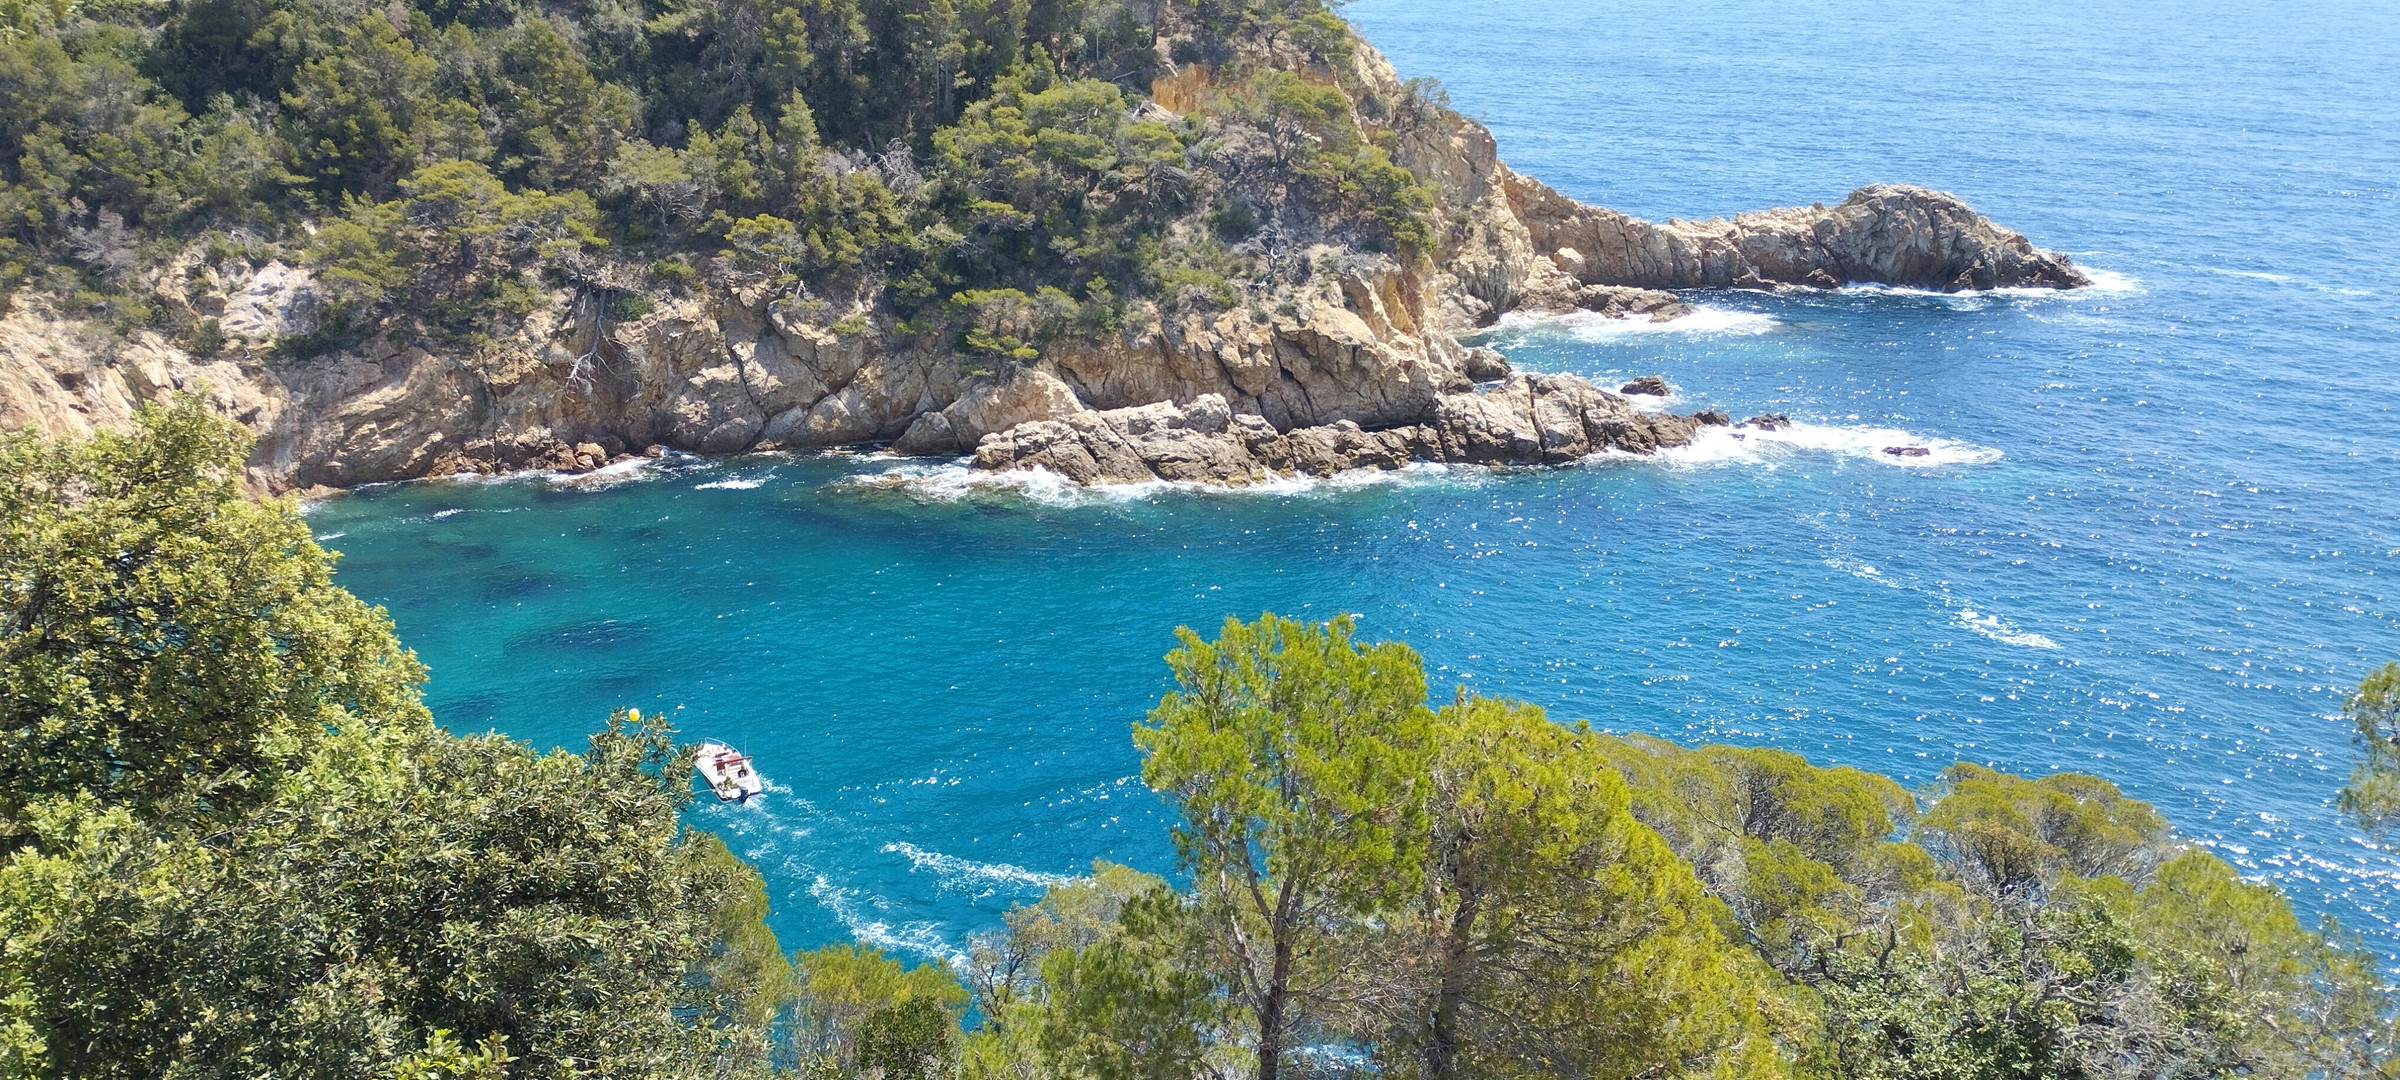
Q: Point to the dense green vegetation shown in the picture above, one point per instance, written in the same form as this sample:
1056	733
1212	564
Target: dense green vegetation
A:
2373	796
237	846
988	167
1382	887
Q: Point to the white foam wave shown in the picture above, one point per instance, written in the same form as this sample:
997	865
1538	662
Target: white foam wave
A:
2104	283
606	476
779	833
331	536
957	481
737	483
1747	445
452	512
2286	279
1863	571
958	873
1595	327
1993	627
2254	275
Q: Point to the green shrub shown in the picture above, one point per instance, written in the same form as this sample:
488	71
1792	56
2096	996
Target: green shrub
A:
208	338
628	306
674	273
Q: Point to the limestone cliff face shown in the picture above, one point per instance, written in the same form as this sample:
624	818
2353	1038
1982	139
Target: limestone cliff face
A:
1351	360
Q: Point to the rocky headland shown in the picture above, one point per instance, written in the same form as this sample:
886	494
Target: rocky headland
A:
1340	357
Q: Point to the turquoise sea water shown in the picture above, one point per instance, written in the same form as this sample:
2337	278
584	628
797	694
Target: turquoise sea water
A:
2158	536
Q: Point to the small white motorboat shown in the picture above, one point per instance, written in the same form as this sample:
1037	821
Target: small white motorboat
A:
727	772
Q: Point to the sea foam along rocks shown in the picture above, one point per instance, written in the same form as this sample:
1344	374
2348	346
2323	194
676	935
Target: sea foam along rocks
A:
1527	419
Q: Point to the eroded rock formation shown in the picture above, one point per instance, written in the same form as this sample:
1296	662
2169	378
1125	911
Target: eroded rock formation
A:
1526	420
1352	360
1885	234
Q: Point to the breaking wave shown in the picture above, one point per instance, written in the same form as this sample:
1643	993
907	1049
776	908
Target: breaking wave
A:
1993	627
1729	445
602	478
606	476
959	481
1593	327
2104	283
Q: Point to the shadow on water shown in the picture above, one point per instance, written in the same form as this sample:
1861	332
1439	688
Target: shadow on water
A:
462	550
517	584
467	713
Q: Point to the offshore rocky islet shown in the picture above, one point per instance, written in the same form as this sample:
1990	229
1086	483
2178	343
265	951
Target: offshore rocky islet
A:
1354	362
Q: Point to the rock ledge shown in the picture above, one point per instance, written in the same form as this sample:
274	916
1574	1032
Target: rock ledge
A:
1525	420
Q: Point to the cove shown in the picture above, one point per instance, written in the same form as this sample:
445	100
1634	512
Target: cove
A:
2154	541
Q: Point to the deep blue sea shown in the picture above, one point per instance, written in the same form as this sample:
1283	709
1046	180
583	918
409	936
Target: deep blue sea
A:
2158	537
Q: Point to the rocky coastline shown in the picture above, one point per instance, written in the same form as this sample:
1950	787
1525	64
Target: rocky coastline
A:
1526	420
1353	359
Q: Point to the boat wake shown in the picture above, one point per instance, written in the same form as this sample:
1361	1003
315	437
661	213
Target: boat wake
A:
802	842
966	874
861	916
1962	614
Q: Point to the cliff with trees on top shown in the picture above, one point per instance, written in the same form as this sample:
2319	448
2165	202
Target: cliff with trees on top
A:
438	237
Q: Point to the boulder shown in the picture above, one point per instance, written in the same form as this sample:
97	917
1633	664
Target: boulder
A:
1648	385
1486	365
1620	302
989	405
